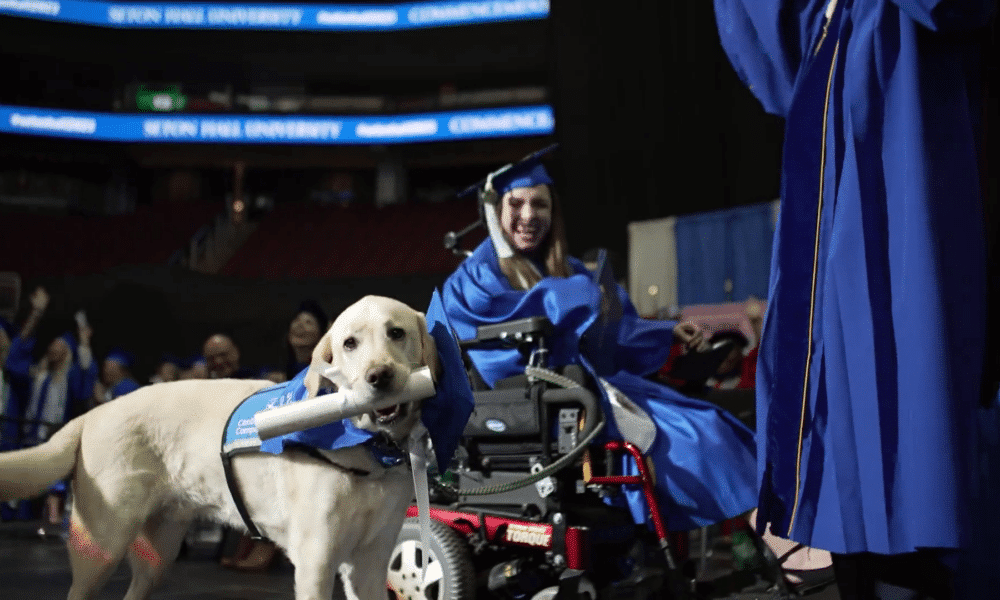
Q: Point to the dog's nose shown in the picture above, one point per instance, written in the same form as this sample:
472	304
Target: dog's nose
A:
379	377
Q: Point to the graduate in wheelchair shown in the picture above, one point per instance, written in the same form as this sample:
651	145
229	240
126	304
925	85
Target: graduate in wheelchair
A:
520	302
704	458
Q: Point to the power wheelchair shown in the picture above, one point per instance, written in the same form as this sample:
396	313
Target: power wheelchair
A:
528	509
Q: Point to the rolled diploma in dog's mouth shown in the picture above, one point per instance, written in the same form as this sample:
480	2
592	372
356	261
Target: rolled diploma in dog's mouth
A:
342	404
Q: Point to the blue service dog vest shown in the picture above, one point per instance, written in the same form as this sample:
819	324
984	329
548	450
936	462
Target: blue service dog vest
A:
240	437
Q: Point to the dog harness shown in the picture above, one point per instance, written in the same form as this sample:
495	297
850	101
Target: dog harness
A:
240	437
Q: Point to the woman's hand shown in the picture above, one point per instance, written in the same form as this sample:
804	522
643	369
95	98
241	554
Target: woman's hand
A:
689	334
84	334
39	300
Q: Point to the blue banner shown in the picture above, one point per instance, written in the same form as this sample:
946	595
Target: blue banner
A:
280	129
311	17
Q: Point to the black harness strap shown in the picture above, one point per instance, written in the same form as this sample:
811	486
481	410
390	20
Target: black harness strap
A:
234	491
313	452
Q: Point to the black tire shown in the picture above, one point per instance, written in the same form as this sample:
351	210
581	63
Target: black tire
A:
450	575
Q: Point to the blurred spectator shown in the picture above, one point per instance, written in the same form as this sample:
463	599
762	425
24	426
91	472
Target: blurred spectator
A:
116	377
222	359
61	384
169	369
15	387
304	332
15	376
10	409
195	367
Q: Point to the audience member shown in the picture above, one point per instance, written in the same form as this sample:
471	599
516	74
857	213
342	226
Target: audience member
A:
304	332
194	367
169	369
15	360
222	359
61	384
15	387
116	377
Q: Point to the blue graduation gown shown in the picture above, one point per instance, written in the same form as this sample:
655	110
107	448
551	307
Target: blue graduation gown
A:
125	386
870	363
704	458
79	387
17	379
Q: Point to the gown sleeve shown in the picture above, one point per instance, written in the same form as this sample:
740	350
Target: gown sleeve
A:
766	41
477	294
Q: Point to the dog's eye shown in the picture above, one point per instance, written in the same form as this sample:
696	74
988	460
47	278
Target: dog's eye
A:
397	333
350	343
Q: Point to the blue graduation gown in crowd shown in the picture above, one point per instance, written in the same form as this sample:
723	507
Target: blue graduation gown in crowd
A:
704	457
872	350
17	392
125	386
79	387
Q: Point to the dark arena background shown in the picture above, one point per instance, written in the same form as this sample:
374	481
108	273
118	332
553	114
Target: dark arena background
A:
142	233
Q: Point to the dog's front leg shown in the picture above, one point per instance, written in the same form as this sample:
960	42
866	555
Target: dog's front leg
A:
370	565
316	556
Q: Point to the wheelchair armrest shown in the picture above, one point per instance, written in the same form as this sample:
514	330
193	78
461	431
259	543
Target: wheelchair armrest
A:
519	331
581	395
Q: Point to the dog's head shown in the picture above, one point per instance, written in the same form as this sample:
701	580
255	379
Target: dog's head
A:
375	343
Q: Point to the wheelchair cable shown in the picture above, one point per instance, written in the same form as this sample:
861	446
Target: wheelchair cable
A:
563	461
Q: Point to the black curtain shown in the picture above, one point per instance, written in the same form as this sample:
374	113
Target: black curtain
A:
651	118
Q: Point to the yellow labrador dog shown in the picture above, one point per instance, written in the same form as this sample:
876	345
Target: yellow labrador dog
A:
146	464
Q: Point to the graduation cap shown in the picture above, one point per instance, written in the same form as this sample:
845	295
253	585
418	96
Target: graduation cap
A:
488	190
510	173
121	357
526	173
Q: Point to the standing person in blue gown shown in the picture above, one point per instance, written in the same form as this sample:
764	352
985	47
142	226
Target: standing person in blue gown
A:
15	386
703	457
61	384
870	370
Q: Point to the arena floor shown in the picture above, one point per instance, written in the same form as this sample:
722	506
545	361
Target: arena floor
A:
37	569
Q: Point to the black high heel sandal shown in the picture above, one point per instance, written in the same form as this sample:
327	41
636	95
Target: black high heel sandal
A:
804	580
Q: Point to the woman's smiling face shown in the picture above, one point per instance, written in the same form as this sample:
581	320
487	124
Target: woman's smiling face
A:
526	216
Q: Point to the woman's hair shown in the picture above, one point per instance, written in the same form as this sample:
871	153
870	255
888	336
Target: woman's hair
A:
519	270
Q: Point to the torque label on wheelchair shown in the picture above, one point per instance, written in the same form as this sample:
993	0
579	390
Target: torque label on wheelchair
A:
529	535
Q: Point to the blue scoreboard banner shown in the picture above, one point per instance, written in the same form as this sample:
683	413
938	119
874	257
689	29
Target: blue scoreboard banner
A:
283	129
311	17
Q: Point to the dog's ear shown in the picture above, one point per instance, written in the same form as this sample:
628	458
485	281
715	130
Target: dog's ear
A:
322	356
428	348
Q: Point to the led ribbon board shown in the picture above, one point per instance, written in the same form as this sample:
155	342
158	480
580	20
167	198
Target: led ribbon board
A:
304	17
284	129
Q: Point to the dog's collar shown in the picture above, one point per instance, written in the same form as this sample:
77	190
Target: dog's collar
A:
386	451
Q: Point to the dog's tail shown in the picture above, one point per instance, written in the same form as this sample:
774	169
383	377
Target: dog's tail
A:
29	472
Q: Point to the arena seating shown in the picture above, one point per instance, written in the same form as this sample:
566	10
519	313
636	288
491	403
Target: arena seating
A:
46	245
306	240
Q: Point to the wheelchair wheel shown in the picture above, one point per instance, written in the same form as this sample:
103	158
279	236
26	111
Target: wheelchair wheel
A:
450	575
